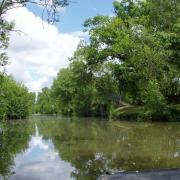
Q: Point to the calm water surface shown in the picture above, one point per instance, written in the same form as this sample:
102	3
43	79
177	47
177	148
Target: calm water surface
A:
47	148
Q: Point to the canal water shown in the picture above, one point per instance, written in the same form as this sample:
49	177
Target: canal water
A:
52	148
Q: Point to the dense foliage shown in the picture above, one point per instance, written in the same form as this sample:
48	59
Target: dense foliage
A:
45	104
15	100
131	59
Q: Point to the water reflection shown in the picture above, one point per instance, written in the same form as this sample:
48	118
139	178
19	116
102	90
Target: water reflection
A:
84	149
94	147
13	141
40	161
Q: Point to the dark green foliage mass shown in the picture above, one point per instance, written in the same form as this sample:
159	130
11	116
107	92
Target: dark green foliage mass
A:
15	100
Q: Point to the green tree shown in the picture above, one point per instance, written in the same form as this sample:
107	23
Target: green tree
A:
141	45
15	100
62	91
45	104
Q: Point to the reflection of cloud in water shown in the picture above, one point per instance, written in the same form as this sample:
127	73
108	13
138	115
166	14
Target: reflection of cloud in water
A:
40	162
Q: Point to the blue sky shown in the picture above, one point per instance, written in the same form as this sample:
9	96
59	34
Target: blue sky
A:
78	11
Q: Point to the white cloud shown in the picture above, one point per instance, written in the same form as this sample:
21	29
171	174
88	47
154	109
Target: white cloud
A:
37	54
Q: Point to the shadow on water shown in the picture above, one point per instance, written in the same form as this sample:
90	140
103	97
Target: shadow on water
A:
53	148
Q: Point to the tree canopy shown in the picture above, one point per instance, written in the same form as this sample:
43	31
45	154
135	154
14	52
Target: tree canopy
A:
131	58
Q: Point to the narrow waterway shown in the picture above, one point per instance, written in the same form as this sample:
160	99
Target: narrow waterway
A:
45	148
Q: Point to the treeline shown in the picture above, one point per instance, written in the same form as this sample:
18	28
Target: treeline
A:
131	59
15	100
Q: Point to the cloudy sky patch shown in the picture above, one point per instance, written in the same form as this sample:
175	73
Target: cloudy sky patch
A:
37	54
41	50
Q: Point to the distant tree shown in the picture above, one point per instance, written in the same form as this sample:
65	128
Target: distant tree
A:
45	104
62	91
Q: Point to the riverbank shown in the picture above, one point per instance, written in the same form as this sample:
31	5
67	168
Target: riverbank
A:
137	113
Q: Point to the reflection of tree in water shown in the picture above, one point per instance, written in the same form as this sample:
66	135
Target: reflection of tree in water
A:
93	148
88	167
13	140
6	160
